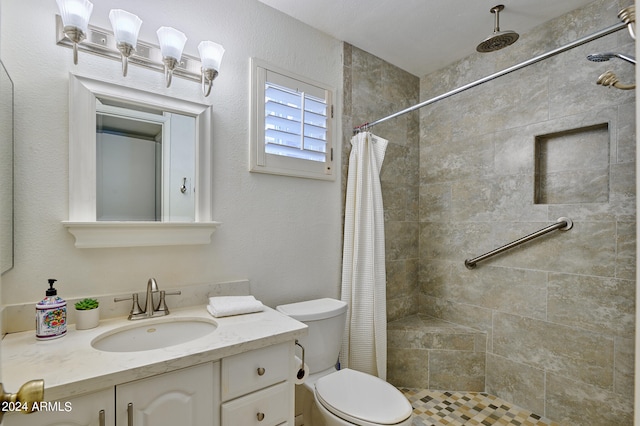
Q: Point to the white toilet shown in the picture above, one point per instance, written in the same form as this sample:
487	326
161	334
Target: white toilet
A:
342	397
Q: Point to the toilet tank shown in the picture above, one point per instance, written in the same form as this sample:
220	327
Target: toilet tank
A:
325	319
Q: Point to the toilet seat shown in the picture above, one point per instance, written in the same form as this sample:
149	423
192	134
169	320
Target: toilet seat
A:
362	399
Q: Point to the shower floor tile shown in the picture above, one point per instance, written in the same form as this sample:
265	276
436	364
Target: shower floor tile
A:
435	408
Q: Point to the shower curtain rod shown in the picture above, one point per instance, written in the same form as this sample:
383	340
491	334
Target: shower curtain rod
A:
579	42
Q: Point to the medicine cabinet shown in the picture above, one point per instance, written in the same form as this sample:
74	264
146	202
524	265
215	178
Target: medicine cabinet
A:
139	167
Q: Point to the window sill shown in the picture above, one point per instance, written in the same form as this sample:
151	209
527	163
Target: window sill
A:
140	234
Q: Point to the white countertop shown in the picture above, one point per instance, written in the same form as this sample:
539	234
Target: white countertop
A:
71	366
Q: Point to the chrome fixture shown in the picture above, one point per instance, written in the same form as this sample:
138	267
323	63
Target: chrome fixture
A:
562	224
149	310
73	30
126	27
579	42
152	287
300	373
211	56
628	16
136	312
172	43
75	18
604	57
499	39
609	79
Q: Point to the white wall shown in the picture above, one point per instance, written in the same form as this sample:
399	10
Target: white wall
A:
283	234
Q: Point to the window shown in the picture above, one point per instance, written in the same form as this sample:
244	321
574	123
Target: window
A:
291	124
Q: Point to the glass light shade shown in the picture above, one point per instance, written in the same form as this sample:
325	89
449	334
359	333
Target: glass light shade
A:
172	42
126	26
75	13
210	54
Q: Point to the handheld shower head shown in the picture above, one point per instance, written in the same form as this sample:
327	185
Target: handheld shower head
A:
603	57
499	39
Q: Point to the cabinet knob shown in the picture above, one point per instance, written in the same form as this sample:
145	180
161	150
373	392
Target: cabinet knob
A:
261	371
260	417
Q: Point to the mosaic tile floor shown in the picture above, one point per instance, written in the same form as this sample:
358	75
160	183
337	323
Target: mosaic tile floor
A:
435	408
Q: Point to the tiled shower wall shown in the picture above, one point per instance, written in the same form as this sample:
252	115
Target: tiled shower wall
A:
374	89
558	311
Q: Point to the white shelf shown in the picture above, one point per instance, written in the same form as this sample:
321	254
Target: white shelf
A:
140	234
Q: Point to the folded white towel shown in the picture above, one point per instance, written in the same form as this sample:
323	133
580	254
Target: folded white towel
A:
222	306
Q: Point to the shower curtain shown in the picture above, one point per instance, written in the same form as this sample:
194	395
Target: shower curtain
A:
364	344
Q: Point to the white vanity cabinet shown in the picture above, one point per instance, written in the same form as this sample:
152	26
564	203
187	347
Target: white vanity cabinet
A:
250	388
93	409
257	387
186	397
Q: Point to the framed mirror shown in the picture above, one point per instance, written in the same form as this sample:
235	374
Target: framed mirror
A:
6	170
139	167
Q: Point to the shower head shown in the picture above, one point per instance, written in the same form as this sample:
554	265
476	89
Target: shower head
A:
499	39
603	57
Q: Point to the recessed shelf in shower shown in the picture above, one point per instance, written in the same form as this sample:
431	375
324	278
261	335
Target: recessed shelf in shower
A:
572	166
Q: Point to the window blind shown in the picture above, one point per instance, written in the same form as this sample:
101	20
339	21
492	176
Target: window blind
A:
295	121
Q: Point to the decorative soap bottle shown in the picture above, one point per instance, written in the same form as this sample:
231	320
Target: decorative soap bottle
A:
51	315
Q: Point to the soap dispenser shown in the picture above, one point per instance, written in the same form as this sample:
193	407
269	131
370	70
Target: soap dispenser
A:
51	315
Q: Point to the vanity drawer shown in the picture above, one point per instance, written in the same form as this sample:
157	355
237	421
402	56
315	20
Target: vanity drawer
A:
250	371
268	407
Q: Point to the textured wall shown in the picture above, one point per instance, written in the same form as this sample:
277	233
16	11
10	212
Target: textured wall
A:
373	89
558	312
283	234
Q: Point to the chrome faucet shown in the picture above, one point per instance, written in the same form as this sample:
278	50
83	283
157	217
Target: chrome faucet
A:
149	310
152	287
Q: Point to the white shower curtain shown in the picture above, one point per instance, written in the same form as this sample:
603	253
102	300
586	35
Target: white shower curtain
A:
364	345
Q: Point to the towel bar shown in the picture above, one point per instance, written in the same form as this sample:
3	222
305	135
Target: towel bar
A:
562	224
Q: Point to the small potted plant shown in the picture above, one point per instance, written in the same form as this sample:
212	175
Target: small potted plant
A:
87	314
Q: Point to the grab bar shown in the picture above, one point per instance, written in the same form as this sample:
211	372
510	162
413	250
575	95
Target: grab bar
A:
562	224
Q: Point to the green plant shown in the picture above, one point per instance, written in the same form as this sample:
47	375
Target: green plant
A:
86	304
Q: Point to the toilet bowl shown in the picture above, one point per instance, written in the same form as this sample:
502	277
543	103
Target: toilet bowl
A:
350	397
341	397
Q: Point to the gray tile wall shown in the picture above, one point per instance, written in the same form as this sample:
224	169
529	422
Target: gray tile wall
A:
558	311
459	180
374	89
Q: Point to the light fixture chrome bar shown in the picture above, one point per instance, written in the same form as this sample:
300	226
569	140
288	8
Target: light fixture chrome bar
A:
563	224
576	43
102	42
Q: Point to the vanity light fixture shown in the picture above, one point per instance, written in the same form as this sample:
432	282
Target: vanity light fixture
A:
75	18
172	43
211	57
126	27
122	44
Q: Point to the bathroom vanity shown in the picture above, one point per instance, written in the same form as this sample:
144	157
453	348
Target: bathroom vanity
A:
241	373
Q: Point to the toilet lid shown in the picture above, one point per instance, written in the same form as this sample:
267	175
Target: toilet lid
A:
359	397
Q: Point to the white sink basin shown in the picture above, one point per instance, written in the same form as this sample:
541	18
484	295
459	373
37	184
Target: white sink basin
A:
149	334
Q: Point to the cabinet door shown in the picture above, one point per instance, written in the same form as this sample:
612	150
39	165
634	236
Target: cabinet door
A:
82	410
187	397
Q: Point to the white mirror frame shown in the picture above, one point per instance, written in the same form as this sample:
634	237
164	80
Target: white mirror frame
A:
82	223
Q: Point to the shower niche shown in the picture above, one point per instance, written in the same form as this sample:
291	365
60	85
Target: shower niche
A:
572	166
